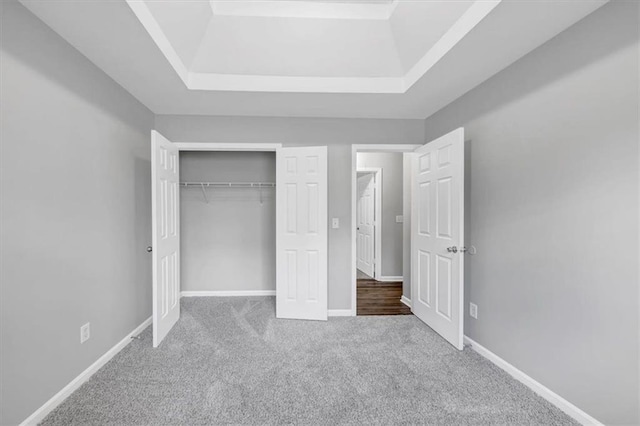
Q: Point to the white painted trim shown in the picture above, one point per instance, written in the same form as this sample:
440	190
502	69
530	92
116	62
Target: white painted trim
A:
387	278
570	409
404	299
354	183
58	398
340	313
207	146
384	147
293	84
377	228
227	293
463	26
296	9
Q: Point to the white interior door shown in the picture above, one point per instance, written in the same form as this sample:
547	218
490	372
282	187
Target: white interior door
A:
166	235
301	233
437	235
365	226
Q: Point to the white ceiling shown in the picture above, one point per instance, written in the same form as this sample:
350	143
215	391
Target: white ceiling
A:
234	58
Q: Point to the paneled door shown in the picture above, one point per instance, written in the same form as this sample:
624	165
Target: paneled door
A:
166	236
437	235
365	217
301	233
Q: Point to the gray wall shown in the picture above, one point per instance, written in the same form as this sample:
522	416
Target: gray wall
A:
552	207
338	134
391	164
75	213
229	243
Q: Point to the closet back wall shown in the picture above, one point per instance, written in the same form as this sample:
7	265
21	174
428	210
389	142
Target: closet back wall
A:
229	243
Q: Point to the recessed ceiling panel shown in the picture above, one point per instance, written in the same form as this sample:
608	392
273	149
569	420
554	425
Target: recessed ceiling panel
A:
298	47
374	46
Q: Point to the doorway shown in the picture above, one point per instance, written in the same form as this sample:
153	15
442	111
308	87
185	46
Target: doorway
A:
432	219
380	233
379	229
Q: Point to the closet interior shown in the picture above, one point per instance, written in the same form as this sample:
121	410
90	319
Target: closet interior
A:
227	222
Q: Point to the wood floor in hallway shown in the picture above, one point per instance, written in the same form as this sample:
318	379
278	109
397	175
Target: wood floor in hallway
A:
380	298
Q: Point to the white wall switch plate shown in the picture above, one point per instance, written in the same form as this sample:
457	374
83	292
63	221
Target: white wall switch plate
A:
85	332
335	223
473	310
399	219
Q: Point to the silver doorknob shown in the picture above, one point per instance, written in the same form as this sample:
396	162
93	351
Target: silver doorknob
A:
149	249
452	249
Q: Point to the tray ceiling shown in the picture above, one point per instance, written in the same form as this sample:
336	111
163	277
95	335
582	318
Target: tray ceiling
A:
306	46
112	36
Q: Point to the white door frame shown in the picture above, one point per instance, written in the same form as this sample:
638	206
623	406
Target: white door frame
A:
377	227
355	149
215	146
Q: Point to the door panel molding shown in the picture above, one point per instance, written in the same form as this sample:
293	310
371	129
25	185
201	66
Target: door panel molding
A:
437	226
165	178
301	233
375	268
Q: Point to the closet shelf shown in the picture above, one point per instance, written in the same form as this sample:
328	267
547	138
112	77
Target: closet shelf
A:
204	185
230	184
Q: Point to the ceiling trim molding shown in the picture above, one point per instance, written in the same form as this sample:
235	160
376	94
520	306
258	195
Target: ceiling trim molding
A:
305	9
295	84
309	84
463	26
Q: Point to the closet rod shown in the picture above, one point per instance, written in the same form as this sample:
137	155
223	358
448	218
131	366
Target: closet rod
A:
230	184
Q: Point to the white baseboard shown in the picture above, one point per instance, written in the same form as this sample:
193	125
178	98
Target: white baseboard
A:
389	278
225	293
570	409
58	398
340	313
405	300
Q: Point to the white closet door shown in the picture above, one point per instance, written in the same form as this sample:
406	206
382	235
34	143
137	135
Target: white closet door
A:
166	235
437	235
301	233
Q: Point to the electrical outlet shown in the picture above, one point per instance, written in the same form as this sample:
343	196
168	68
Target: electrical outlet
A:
335	223
85	332
473	310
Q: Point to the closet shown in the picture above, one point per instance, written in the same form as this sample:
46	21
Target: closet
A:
222	225
227	223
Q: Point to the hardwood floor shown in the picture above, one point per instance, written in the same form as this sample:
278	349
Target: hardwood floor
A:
380	298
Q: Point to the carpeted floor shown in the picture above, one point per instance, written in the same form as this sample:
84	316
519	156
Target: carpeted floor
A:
230	361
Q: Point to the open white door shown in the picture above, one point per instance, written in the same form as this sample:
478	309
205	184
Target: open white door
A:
437	235
365	216
301	233
166	235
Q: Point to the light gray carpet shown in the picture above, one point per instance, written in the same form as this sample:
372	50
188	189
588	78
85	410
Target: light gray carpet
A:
230	361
